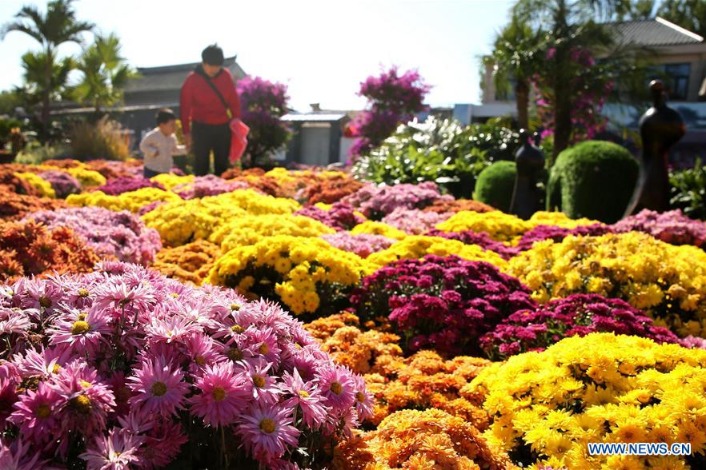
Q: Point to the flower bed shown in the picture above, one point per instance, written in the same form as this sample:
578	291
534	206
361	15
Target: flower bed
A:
128	365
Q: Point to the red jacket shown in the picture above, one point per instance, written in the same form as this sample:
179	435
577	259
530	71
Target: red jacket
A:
200	103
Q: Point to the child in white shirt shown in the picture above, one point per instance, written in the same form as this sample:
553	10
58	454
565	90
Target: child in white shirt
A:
160	145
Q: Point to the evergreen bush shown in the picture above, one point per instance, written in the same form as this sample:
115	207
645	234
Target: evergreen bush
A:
594	179
495	185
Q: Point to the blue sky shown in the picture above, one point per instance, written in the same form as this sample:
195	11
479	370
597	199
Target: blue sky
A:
321	49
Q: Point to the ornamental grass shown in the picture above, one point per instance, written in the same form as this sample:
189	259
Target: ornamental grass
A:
188	263
546	407
28	248
420	440
665	281
418	246
307	275
118	236
440	303
14	206
124	368
577	314
249	229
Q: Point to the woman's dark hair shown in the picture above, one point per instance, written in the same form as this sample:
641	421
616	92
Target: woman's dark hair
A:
212	55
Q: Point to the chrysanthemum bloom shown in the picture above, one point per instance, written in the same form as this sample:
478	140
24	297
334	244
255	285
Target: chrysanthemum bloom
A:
267	432
162	444
81	332
262	342
158	386
171	329
222	396
363	400
8	397
37	414
13	322
201	351
86	401
307	397
256	381
40	364
117	451
18	455
337	386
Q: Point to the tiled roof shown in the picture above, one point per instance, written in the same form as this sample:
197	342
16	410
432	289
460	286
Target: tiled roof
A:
656	32
171	77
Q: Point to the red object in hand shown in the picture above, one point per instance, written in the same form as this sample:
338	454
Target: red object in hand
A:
238	140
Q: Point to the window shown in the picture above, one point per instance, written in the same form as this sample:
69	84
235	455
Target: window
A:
676	77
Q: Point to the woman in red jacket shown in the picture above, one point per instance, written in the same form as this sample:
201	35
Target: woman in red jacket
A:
208	102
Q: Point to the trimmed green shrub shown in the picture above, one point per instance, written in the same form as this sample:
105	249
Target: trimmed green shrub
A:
593	179
495	185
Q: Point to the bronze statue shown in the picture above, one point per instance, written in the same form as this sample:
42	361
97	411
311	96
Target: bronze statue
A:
530	164
660	128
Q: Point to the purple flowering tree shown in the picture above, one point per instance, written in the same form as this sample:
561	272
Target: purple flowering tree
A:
392	100
263	103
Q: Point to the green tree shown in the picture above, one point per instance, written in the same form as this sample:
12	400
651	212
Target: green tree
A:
35	86
104	73
515	59
58	25
689	14
568	27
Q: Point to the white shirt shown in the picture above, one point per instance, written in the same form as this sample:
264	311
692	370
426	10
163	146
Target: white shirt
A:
158	150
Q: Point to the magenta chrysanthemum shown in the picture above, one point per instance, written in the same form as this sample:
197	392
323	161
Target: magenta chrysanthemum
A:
222	397
267	432
158	387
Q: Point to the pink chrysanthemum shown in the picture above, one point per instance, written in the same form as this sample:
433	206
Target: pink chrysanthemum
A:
8	397
171	329
81	332
262	342
363	400
267	432
158	387
162	444
337	386
201	351
305	397
41	364
258	383
36	414
13	321
86	401
119	450
222	397
18	455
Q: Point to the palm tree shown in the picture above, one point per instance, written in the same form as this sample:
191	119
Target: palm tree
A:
515	58
567	26
57	26
105	73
